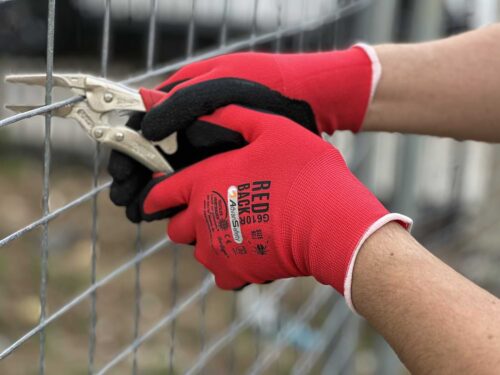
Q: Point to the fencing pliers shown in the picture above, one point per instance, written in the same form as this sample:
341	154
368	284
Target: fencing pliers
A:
92	113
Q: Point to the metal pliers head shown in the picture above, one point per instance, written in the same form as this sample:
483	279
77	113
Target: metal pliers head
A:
99	98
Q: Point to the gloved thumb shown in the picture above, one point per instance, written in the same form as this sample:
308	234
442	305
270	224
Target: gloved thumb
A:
164	193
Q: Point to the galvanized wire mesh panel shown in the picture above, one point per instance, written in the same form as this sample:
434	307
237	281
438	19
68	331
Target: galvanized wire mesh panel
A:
82	290
265	329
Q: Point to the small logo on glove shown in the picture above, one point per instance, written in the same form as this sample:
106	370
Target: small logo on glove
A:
234	217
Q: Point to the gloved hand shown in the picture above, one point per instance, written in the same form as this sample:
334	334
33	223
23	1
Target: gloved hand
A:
284	205
322	91
195	142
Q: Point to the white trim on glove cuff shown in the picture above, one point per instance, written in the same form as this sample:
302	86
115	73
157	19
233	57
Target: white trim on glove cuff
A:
372	229
376	66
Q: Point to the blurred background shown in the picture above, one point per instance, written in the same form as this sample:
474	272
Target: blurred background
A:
117	298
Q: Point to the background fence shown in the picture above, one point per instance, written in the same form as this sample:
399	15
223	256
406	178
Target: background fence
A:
84	291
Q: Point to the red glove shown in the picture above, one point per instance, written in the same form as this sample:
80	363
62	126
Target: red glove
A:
322	91
285	205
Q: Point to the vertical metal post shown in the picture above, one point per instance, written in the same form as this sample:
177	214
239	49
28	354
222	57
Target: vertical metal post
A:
382	17
203	320
223	29
175	255
106	38
321	27
279	24
152	35
190	38
253	34
94	209
222	43
138	295
232	357
332	42
174	291
300	46
138	239
93	263
47	156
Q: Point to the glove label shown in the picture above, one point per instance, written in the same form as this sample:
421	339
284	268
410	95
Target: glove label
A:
234	216
254	202
247	207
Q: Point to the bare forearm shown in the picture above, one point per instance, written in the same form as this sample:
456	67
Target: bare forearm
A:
449	87
435	319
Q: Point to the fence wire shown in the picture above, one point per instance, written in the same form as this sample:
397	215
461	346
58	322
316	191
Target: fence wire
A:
47	156
180	299
170	318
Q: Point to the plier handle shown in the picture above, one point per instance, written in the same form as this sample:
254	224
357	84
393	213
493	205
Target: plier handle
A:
102	97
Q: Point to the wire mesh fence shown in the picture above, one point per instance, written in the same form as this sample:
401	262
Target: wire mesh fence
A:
257	313
94	294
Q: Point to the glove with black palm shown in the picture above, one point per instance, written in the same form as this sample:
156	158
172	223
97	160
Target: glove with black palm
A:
195	142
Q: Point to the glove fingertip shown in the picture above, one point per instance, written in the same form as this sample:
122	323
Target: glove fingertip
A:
133	213
162	120
135	120
229	282
239	289
121	166
164	214
115	195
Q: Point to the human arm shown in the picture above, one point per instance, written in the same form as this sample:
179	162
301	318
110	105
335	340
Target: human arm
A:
436	320
448	87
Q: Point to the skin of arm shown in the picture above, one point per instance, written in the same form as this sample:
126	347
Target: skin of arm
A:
436	320
449	87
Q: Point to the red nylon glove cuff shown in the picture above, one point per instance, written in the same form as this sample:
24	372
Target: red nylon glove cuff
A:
331	217
336	84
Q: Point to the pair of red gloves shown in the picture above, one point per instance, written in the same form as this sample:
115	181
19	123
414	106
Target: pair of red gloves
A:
257	191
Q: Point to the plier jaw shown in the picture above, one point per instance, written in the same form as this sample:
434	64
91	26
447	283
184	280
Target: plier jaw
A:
102	97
